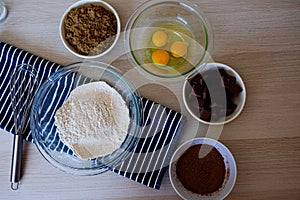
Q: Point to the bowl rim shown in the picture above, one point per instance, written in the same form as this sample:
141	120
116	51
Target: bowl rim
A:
187	5
98	169
207	67
209	141
86	2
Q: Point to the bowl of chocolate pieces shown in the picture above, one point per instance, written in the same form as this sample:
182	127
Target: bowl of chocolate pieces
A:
214	95
202	168
90	28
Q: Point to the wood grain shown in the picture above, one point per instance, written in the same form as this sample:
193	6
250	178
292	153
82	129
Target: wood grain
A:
260	39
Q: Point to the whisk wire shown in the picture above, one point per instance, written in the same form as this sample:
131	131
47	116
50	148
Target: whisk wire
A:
24	83
22	89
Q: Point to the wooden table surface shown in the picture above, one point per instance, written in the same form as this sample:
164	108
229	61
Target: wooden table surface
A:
258	38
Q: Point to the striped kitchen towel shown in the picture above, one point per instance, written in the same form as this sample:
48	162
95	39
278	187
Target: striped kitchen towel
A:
160	129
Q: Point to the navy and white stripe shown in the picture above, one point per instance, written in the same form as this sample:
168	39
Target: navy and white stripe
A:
160	130
154	149
10	57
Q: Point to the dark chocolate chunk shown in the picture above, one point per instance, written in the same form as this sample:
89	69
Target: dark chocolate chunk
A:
207	103
232	80
197	80
205	114
230	108
197	90
200	103
223	72
225	82
235	89
228	93
204	95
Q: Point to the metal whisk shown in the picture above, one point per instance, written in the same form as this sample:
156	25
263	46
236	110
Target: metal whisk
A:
23	85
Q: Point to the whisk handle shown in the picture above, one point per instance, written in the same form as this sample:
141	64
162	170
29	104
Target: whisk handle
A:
15	175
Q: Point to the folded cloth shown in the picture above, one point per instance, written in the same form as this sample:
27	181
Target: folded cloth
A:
160	130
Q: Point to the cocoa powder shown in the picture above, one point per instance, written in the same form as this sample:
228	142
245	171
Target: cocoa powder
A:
201	169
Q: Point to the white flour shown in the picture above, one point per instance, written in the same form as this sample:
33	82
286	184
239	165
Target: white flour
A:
93	121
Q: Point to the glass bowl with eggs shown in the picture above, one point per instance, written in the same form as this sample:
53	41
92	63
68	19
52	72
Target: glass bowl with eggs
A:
85	118
168	39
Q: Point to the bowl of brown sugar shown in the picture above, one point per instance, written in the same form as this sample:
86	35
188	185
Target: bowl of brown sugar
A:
90	28
202	168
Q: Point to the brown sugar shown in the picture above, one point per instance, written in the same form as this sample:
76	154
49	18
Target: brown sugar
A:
90	29
202	173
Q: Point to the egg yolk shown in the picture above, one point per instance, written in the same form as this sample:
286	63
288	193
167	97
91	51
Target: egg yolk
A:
178	49
159	38
160	57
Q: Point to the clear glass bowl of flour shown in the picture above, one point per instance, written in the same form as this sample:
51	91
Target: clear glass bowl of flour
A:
55	91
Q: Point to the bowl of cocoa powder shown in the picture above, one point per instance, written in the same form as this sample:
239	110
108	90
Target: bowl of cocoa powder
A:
90	28
202	168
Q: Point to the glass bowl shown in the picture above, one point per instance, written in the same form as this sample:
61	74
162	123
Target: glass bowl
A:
182	21
50	97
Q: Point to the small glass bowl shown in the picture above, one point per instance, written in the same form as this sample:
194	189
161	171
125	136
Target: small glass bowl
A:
51	96
182	20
